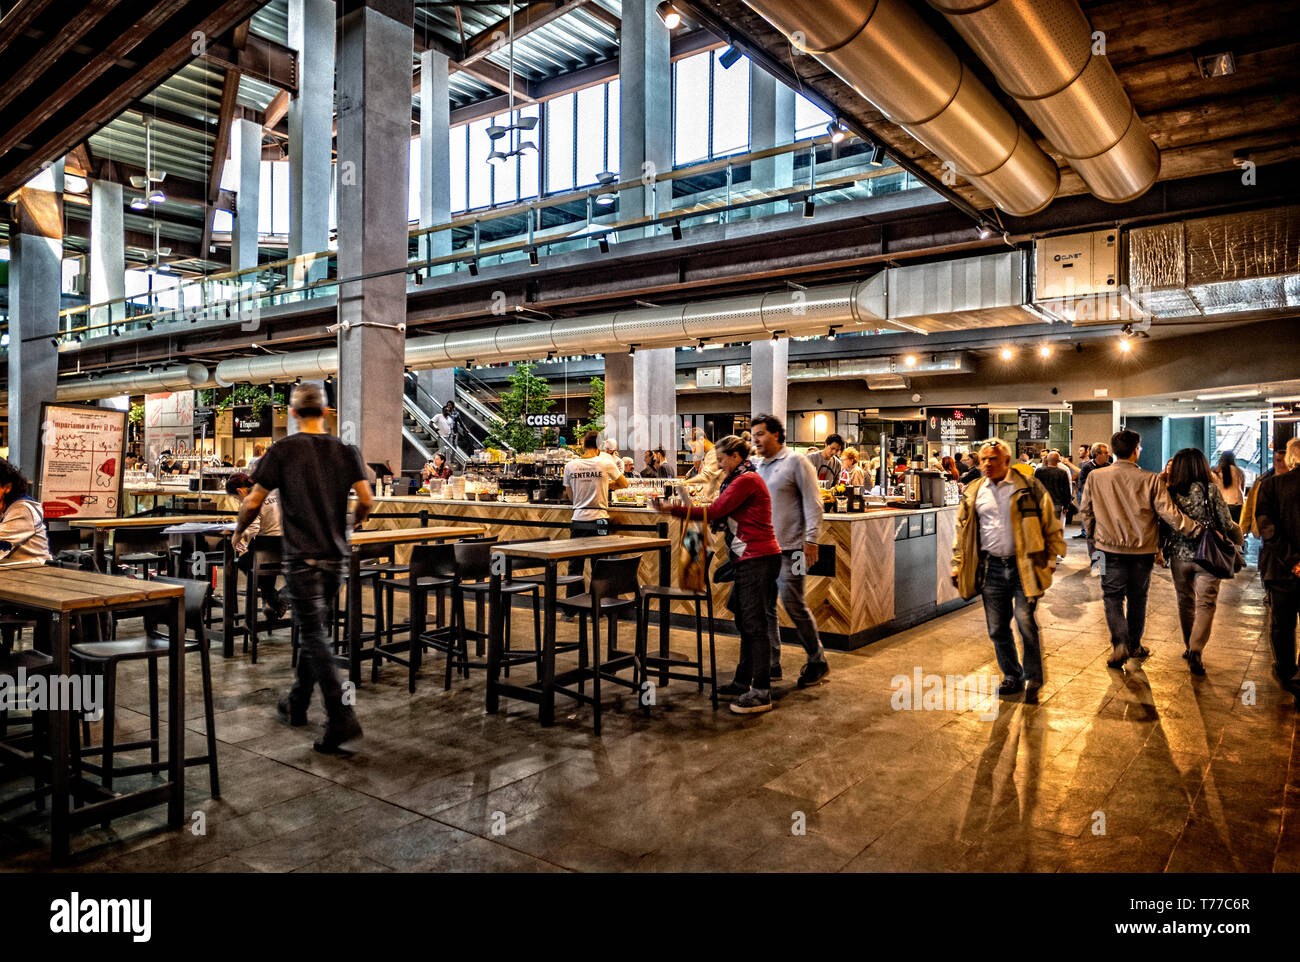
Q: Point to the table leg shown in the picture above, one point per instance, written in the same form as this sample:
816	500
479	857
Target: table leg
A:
496	625
546	713
665	612
60	748
176	714
354	618
229	591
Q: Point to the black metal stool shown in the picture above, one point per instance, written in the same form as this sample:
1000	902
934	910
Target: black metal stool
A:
666	665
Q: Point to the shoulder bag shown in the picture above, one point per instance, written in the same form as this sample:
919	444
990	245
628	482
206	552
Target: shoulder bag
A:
1215	552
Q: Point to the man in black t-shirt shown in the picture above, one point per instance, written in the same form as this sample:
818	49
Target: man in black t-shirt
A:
314	472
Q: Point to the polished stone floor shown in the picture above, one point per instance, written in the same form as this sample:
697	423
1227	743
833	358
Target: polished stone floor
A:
1148	771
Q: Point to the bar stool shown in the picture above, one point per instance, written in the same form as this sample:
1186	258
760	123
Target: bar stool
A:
105	656
140	552
32	663
611	579
651	593
473	577
267	560
432	570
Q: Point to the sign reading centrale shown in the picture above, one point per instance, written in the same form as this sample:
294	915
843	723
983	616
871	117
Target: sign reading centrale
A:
546	420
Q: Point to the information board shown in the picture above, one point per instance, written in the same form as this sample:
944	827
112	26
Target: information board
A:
962	425
168	424
1033	424
248	422
79	463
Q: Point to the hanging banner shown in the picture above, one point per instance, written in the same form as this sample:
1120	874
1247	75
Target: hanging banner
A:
962	425
248	423
168	424
79	461
1033	424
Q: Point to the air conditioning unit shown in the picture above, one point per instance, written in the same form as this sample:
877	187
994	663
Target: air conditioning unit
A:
1076	264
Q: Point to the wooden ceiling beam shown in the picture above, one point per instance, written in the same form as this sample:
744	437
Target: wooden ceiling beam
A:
20	16
29	71
527	20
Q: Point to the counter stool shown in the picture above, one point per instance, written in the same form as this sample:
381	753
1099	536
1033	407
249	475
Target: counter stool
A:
432	571
473	577
267	560
105	656
611	579
140	552
33	663
651	593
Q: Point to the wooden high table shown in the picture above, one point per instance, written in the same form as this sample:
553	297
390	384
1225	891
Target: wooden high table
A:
100	527
55	596
388	536
551	553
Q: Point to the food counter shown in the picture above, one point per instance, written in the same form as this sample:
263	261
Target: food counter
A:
892	566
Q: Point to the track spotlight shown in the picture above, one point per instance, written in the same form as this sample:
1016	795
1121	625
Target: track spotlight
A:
809	208
877	158
631	349
604	244
1044	351
77	338
54	341
909	360
775	337
830	335
677	230
669	15
700	346
729	57
837	132
1007	354
1078	348
985	231
533	259
419	279
148	325
473	268
1124	345
550	355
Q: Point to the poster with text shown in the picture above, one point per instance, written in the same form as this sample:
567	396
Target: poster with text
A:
168	425
80	465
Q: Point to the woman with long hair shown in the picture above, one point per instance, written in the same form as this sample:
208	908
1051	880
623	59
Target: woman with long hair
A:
948	465
744	504
1195	494
1231	483
22	522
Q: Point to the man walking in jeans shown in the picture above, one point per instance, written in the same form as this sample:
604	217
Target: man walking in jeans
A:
1120	507
1007	541
314	472
797	517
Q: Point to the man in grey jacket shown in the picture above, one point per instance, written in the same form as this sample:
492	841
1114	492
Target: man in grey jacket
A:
1120	507
797	520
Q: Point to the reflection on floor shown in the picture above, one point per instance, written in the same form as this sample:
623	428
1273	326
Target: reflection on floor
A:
1148	771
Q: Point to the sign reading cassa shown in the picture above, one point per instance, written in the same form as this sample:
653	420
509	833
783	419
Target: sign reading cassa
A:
546	420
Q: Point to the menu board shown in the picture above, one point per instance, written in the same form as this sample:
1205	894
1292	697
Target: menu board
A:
1033	424
168	424
251	423
962	425
79	463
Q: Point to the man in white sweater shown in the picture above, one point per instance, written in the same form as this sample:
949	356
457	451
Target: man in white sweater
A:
797	519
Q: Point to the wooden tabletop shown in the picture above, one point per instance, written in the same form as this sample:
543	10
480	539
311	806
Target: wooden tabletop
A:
396	535
559	549
156	521
65	589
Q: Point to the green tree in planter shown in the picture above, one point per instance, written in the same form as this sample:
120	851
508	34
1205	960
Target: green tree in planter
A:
528	394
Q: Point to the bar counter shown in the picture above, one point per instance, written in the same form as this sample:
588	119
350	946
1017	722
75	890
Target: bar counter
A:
892	567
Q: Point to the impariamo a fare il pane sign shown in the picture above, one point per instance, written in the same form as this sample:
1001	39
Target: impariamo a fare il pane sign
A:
80	464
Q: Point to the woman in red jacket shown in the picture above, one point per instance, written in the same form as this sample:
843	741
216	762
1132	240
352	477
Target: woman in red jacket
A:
743	502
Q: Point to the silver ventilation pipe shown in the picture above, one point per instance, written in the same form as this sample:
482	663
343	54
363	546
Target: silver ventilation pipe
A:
181	378
1043	54
889	55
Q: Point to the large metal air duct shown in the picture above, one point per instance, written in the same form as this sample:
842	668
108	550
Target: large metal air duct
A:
182	378
888	54
1042	54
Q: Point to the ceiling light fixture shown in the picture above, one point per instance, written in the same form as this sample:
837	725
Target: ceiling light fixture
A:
877	158
729	57
985	232
605	178
139	203
669	15
1007	354
156	196
1284	400
1226	395
837	132
909	360
809	208
1217	65
830	335
677	230
1044	351
533	259
1125	345
604	243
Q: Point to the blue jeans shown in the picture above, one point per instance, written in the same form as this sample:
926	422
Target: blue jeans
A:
790	589
313	587
1125	579
753	600
1002	594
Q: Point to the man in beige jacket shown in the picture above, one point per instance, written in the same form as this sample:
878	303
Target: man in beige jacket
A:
1120	507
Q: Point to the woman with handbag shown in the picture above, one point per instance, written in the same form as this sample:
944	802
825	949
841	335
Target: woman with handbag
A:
755	559
1196	495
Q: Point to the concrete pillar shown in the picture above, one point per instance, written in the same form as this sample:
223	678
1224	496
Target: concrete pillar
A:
246	149
645	108
771	124
435	151
311	131
1093	422
35	276
107	251
641	401
374	123
768	384
438	385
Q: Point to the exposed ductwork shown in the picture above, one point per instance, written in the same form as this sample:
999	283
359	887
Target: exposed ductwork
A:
1043	54
885	369
181	378
888	54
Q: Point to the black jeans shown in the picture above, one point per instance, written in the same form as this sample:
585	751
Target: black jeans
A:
313	586
1284	609
753	600
265	583
583	529
1004	595
1124	582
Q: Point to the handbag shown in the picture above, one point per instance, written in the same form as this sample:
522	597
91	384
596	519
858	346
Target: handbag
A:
1216	553
692	573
